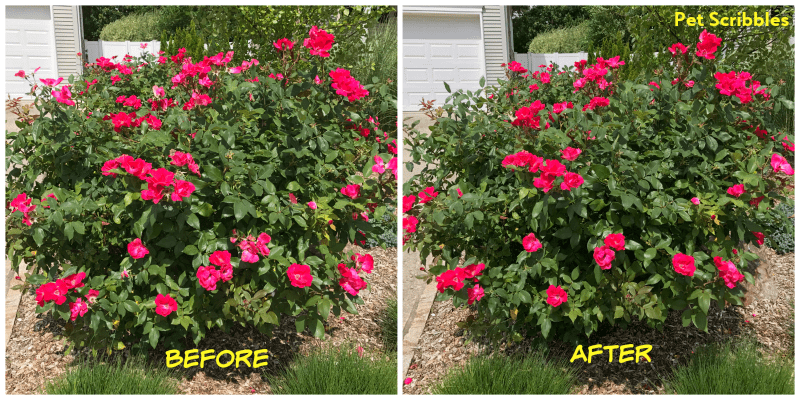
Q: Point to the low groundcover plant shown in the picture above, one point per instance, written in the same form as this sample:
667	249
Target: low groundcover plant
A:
156	198
577	199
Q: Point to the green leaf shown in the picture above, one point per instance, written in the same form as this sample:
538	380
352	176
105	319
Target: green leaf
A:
319	329
38	236
154	335
190	250
704	301
650	253
447	87
239	210
193	221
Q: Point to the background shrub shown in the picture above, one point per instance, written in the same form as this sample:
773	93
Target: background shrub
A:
103	376
500	374
732	368
137	27
337	370
562	40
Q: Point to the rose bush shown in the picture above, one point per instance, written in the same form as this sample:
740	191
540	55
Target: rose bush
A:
179	195
592	200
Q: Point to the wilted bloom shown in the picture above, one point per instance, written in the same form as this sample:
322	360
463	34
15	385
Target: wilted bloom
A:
759	237
283	44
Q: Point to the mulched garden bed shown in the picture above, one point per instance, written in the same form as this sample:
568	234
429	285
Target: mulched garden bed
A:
767	316
35	352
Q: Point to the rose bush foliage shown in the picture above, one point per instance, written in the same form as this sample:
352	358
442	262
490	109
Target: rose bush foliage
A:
192	194
587	200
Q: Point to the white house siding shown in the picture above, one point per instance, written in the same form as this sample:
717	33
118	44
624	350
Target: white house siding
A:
68	35
497	41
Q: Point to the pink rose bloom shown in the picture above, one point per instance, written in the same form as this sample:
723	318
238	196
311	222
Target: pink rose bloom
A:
292	198
728	272
165	305
695	201
531	243
124	274
183	189
571	180
300	275
52	291
458	190
379	167
317	80
474	294
226	272
427	195
408	202
677	48
683	264
759	237
472	270
158	91
407	381
615	241
220	258
136	249
779	164
556	295
604	256
318	42
91	297
75	281
208	277
410	224
79	307
449	278
312	205
736	190
63	96
364	263
283	44
570	153
351	191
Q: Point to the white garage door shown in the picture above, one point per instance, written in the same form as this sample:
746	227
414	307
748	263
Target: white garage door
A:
440	48
29	45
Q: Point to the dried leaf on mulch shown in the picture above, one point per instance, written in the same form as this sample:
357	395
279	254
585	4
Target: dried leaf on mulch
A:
767	316
35	353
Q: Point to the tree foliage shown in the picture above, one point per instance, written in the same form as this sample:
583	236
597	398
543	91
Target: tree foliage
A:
528	22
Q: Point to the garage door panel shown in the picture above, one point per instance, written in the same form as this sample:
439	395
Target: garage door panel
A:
448	48
417	75
29	45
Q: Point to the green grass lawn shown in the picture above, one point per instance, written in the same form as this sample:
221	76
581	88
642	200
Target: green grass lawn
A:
499	374
338	370
114	377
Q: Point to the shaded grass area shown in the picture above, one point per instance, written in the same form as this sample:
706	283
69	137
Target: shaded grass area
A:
732	368
338	370
134	376
499	374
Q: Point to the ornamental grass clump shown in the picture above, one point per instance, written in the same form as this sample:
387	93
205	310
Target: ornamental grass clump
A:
578	199
180	195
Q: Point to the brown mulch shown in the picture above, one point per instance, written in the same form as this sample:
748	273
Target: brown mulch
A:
35	352
767	316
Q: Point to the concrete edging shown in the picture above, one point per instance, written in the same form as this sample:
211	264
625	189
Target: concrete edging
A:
417	323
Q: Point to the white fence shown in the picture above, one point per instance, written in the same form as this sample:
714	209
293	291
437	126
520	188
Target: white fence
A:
532	61
100	48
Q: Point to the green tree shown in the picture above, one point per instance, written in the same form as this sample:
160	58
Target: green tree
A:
530	21
97	17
